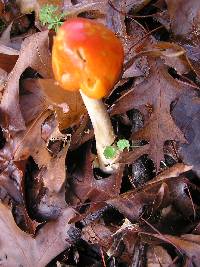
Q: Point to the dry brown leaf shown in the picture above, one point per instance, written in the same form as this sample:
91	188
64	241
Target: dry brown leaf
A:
24	142
96	233
184	16
157	256
8	50
69	106
185	19
32	101
154	96
55	174
186	114
19	247
84	185
8	55
6	44
173	55
127	245
7	62
52	177
36	47
85	6
132	204
174	171
188	245
128	157
82	133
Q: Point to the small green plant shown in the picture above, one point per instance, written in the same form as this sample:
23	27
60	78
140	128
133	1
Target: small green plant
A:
123	144
111	151
49	16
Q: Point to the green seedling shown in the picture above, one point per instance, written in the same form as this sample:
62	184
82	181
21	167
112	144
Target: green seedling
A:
49	16
123	144
111	151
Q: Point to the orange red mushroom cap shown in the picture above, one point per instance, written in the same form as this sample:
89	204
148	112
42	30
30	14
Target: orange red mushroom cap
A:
88	56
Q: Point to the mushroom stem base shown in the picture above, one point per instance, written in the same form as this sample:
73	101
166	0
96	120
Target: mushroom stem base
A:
103	131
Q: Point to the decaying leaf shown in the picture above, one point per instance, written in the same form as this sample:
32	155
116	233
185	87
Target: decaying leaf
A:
52	179
158	256
99	234
187	245
184	18
32	101
48	170
155	95
186	114
19	247
23	142
68	105
36	46
6	44
83	184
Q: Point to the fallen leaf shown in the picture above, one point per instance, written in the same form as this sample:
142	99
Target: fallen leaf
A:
100	234
155	93
186	114
7	62
157	256
84	6
23	142
55	174
126	245
174	171
6	44
82	133
36	46
188	245
82	184
173	55
32	101
133	203
19	247
69	106
183	15
184	19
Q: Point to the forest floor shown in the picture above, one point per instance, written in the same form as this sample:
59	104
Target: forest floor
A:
57	207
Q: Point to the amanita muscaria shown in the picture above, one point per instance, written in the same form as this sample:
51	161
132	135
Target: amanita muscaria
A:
88	57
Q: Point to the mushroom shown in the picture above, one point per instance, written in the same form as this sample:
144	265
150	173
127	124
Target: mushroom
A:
87	56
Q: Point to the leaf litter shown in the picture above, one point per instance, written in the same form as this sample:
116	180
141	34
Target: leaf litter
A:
57	207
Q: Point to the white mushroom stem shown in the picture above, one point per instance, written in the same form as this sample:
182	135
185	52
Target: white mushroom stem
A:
103	132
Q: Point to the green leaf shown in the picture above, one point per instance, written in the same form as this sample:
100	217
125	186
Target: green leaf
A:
122	144
110	152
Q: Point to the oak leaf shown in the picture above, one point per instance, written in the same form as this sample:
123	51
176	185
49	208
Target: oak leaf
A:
153	97
19	248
